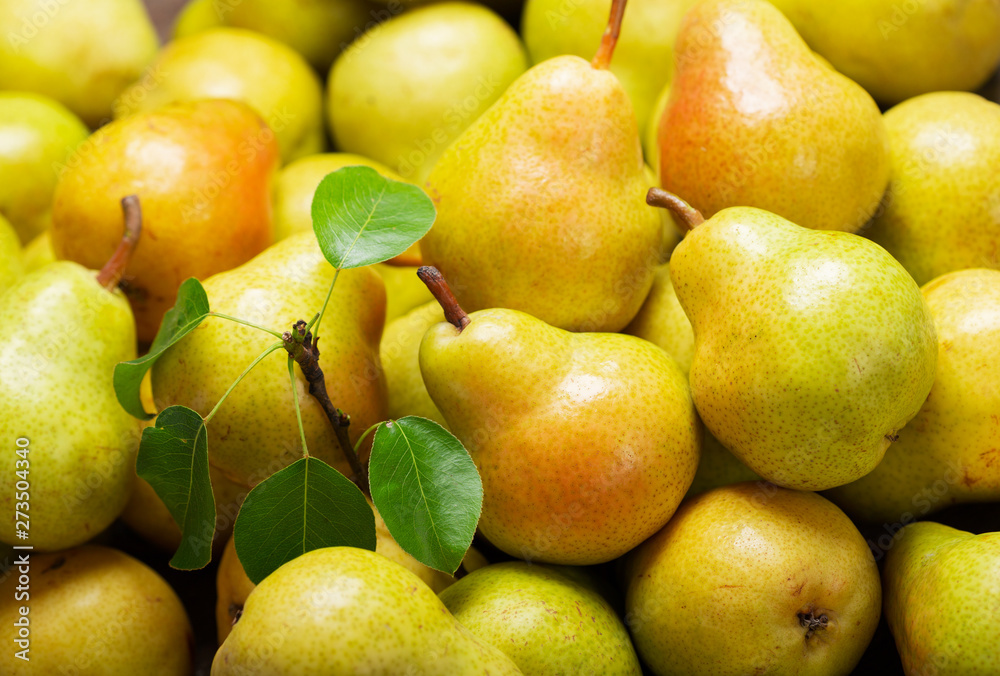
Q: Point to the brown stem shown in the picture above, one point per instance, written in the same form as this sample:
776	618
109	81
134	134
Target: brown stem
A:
112	272
455	315
610	38
686	214
299	344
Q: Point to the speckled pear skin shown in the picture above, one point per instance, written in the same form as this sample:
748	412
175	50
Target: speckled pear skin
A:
342	611
545	622
950	452
541	203
942	592
400	350
585	442
945	150
255	432
61	334
719	590
756	119
812	348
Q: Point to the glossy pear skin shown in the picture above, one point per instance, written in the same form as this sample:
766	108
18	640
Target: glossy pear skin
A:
721	588
400	352
286	283
950	452
61	334
945	149
585	442
941	595
812	348
541	203
755	119
545	622
95	610
344	611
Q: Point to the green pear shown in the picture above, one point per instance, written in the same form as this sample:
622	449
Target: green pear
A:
38	253
37	136
644	57
898	50
718	467
755	119
753	579
945	147
237	64
198	16
661	321
950	452
545	622
812	348
651	132
400	352
95	610
404	292
344	611
585	443
11	259
942	592
444	64
287	282
82	54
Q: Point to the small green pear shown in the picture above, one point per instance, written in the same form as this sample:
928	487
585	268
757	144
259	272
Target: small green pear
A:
942	592
545	622
342	611
38	253
11	259
400	350
753	579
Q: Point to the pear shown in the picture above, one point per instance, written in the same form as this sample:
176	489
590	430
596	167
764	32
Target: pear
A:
755	119
400	351
39	134
651	132
38	253
203	171
945	147
237	64
950	452
898	50
718	467
11	260
197	16
753	579
812	348
545	622
347	611
444	64
286	283
95	610
585	442
661	321
942	592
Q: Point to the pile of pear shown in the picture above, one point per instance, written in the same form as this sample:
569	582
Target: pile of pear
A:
685	406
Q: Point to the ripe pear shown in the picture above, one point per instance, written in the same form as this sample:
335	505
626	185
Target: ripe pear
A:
545	622
942	592
585	443
37	135
400	350
753	579
755	119
203	171
232	63
348	611
444	64
812	348
95	610
11	260
945	147
197	16
898	50
661	321
288	282
950	452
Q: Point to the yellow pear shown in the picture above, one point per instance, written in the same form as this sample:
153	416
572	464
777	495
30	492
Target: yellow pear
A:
400	351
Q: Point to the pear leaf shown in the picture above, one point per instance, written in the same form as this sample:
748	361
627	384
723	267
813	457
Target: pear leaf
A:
173	458
186	314
360	217
427	490
305	506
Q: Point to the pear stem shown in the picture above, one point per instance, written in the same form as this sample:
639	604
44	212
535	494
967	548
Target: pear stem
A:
112	272
300	345
688	216
610	38
437	285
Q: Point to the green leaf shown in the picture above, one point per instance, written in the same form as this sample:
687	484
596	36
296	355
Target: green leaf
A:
186	314
426	489
173	458
305	506
360	217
